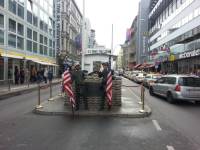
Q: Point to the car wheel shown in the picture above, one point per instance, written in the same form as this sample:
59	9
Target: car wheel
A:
151	91
170	98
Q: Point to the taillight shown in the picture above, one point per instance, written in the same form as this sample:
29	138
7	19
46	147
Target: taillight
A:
178	88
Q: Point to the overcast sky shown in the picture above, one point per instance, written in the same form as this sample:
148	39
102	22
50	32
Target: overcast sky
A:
103	13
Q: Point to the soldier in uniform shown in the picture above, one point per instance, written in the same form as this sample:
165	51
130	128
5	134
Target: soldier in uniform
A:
78	78
103	73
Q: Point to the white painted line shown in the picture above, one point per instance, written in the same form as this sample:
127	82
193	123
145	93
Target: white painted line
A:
156	125
134	94
170	147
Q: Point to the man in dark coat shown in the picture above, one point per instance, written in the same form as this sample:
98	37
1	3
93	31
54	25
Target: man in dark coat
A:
103	74
78	78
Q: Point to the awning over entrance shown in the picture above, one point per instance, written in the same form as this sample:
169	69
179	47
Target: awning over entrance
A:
136	66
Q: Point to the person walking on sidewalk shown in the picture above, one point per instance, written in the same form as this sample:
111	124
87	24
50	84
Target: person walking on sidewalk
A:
78	78
16	73
22	76
45	75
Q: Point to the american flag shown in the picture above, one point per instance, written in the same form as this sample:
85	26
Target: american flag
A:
109	88
68	87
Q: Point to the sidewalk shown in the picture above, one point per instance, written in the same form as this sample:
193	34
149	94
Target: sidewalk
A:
129	109
20	89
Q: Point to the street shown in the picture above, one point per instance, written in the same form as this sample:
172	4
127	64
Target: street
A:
170	127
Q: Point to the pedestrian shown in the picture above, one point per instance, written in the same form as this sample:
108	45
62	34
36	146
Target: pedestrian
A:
50	75
78	78
103	73
22	76
45	75
16	74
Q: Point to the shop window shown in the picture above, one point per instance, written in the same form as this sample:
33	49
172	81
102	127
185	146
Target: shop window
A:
35	36
12	25
1	37
41	39
35	47
20	43
1	21
41	49
12	6
29	17
2	3
29	45
20	29
45	40
12	40
20	11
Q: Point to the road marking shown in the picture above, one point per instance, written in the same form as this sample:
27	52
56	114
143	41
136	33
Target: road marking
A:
134	94
170	147
156	125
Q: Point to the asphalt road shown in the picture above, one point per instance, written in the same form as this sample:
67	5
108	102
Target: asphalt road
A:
171	127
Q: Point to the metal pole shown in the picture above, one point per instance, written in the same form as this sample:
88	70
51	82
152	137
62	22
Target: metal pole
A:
39	105
142	110
9	87
50	87
83	37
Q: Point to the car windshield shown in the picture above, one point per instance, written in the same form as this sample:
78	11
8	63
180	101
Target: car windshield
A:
189	81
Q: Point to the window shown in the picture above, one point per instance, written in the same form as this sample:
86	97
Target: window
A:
1	21
41	49
20	29
50	43
12	25
35	36
50	52
35	47
2	3
29	17
189	81
45	50
41	39
20	43
170	80
1	37
45	40
21	1
29	33
35	21
29	45
35	9
41	25
20	11
12	40
12	6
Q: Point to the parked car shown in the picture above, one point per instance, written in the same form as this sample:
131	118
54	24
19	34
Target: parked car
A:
139	77
133	74
177	87
150	79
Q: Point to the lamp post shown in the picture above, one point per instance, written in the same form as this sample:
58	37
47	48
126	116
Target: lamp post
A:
83	37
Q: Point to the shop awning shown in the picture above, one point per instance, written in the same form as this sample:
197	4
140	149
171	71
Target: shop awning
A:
11	56
136	66
42	62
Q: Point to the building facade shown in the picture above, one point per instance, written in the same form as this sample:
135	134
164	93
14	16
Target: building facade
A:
92	39
68	32
27	36
174	30
142	32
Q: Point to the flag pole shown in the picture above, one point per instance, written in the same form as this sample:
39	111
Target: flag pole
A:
111	49
83	37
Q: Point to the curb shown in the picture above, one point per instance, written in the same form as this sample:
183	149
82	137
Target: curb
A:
95	114
22	91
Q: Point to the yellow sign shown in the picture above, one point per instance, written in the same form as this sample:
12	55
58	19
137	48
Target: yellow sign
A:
171	58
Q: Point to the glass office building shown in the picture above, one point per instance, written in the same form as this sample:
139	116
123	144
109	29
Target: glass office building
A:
174	35
27	31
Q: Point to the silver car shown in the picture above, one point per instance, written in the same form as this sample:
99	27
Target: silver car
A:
177	87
